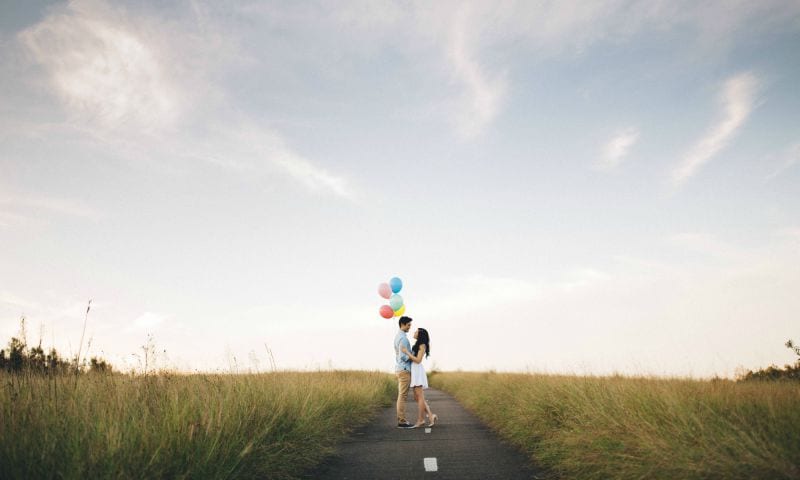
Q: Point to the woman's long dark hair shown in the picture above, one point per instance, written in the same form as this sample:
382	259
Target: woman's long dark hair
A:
422	339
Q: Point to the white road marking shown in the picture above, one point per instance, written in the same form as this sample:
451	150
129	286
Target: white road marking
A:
430	464
427	430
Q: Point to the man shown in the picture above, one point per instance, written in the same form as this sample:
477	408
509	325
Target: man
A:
402	370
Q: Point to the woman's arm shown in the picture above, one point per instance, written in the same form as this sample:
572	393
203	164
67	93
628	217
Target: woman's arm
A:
419	356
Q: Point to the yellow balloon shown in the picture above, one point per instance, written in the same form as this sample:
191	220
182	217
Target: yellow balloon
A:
400	311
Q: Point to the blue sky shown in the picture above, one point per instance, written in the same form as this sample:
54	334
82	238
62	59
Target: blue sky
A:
563	186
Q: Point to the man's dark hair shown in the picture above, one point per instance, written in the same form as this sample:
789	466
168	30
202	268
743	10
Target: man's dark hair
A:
404	321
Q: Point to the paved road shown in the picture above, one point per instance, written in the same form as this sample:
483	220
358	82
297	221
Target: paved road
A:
463	448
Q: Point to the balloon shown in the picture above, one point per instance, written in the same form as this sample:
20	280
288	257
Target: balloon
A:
401	311
396	301
396	284
386	311
384	290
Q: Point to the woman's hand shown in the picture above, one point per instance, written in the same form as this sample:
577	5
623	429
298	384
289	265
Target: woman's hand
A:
411	356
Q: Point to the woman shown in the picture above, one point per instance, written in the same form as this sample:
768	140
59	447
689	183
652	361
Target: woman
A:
419	380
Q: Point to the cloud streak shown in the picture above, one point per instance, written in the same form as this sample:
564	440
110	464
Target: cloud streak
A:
147	321
478	292
312	176
738	98
790	157
710	246
246	146
8	298
483	95
18	209
104	72
547	29
615	151
129	84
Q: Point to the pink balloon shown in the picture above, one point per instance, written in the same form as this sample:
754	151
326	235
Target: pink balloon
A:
386	311
384	290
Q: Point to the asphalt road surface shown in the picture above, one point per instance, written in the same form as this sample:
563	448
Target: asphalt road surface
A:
459	447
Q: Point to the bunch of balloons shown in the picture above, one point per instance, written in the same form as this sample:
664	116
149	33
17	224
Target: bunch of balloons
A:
390	292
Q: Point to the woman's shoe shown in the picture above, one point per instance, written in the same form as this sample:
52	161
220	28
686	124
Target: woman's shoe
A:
419	424
433	419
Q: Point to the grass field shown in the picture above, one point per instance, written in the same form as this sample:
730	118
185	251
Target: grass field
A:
626	428
272	425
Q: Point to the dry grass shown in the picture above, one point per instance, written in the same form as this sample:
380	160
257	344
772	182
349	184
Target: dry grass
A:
618	427
272	425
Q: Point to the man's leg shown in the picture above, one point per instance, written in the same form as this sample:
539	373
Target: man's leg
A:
403	380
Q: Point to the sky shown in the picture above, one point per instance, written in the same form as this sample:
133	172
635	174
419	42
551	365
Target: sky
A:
563	187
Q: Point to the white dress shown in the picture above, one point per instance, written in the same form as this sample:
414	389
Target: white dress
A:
418	376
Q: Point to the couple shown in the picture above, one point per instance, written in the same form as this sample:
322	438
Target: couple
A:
411	373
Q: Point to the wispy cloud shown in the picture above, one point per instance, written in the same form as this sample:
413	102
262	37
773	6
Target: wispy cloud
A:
104	72
583	278
18	209
483	94
147	320
276	317
707	244
10	299
246	146
615	151
788	159
568	27
790	232
478	292
250	147
738	98
273	148
9	219
146	90
312	176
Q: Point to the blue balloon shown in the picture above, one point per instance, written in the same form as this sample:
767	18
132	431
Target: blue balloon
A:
396	284
395	301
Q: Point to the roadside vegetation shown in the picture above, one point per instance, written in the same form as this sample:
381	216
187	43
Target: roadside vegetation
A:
631	428
71	419
77	418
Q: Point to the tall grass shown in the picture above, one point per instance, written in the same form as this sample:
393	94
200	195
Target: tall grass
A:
272	425
617	427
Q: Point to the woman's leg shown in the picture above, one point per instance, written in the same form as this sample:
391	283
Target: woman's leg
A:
432	417
419	396
428	410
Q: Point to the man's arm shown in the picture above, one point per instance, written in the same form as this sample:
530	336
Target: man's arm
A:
403	357
405	343
420	354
